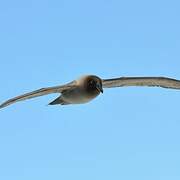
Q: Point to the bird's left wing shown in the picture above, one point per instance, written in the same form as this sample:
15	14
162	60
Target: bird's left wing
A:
142	81
39	92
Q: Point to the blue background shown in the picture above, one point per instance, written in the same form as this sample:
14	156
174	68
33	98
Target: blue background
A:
126	133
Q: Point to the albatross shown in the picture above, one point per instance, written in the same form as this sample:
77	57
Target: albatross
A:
88	87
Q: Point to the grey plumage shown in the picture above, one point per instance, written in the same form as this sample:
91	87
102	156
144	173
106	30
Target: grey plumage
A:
82	92
37	93
89	87
163	82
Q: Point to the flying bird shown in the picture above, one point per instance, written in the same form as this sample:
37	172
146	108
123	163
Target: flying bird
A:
88	87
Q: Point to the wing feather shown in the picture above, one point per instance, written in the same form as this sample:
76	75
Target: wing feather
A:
142	81
36	93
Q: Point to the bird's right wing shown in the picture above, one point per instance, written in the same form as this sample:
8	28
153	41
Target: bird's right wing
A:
164	82
39	92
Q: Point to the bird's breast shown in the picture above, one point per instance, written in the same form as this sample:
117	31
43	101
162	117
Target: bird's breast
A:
78	96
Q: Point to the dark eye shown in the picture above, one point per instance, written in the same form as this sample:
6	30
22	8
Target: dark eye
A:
92	84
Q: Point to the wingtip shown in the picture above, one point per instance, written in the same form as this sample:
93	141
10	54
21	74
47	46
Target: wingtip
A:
2	106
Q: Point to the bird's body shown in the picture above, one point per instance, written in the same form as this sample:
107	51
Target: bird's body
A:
81	93
89	87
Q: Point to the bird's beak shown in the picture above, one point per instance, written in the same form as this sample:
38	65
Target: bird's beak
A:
99	88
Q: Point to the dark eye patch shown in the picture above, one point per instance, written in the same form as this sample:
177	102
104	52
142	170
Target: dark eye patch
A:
92	84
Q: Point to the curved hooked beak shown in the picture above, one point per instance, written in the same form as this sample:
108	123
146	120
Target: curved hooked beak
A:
99	88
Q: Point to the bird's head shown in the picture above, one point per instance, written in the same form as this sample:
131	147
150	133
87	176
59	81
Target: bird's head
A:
93	84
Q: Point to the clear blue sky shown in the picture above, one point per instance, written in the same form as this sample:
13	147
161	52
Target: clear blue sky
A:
127	133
